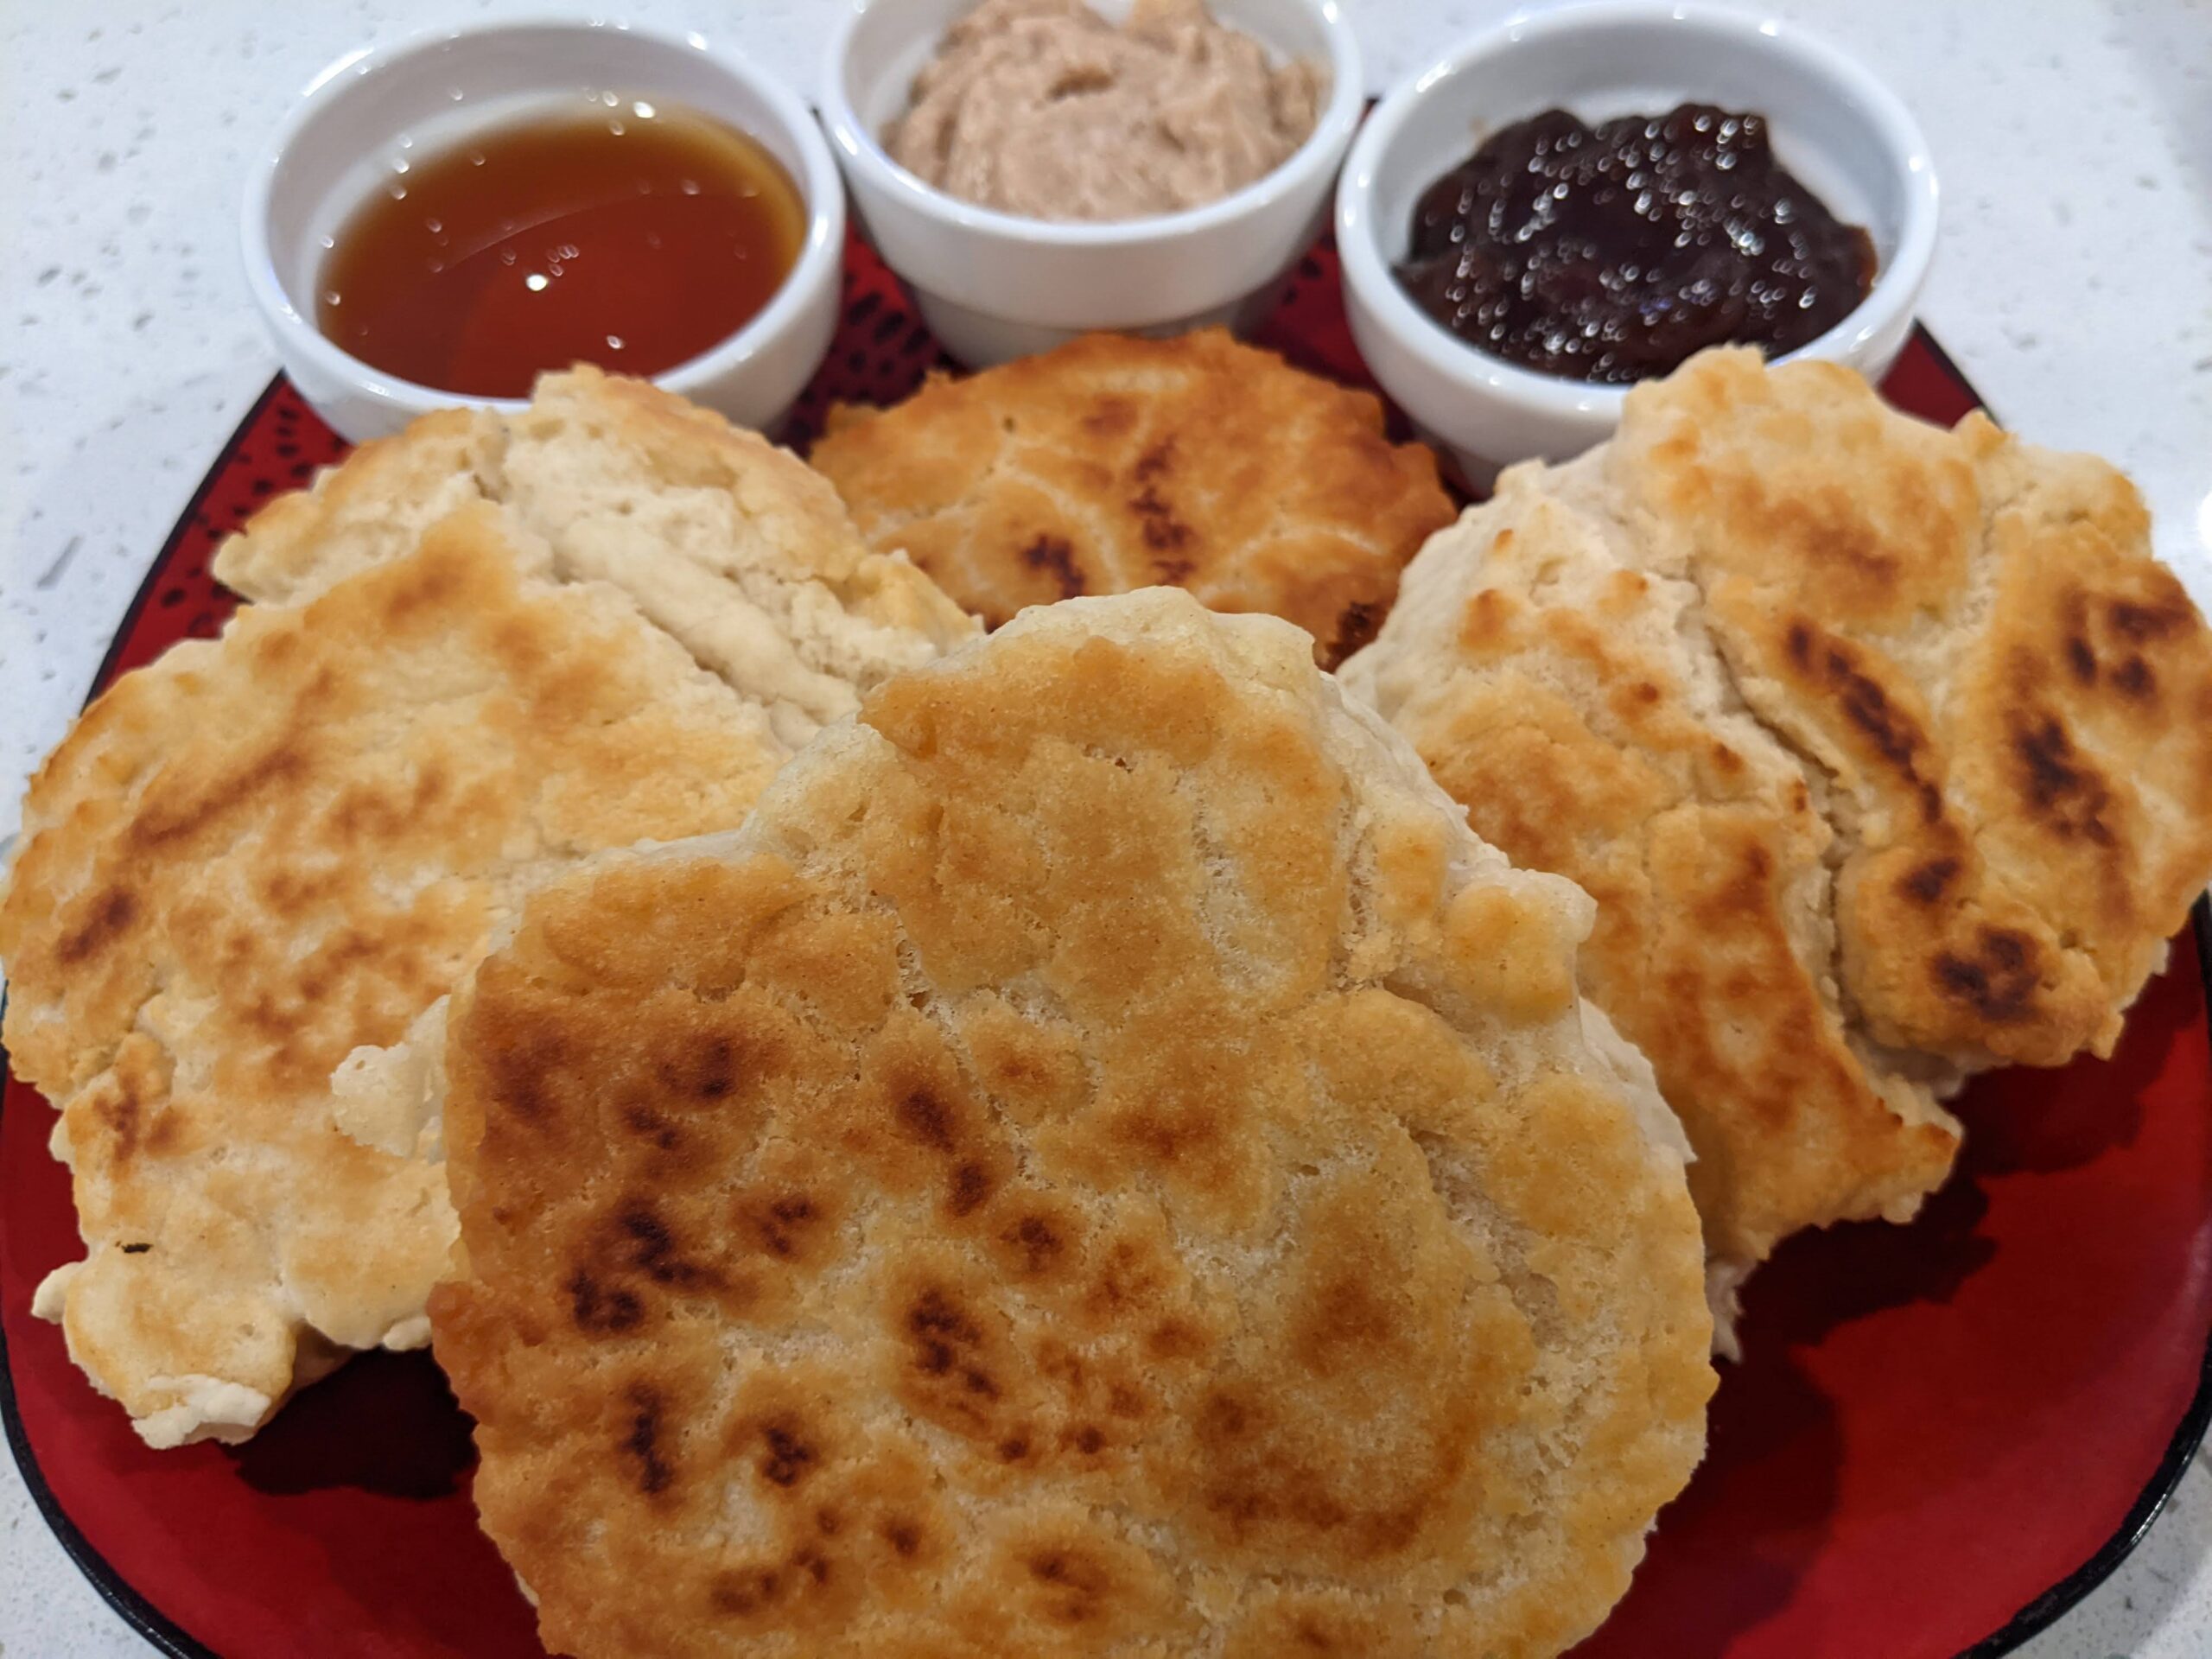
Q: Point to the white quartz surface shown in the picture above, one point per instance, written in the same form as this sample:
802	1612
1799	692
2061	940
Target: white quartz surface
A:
2074	284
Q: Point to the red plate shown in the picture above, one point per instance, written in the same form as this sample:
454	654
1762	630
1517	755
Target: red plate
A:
1943	1436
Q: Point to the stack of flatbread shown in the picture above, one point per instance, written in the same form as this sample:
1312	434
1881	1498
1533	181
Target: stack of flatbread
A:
483	650
1886	751
1102	1138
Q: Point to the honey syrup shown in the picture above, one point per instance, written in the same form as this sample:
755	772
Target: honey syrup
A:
633	236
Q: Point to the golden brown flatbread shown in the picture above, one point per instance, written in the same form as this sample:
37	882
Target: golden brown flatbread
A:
2007	698
1576	707
1104	1161
263	851
1114	463
728	543
1887	751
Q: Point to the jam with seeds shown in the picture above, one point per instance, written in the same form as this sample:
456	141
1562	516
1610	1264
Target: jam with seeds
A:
1614	253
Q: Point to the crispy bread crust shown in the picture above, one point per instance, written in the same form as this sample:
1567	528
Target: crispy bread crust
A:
1103	1162
1114	463
1949	671
260	852
732	545
1574	705
2010	698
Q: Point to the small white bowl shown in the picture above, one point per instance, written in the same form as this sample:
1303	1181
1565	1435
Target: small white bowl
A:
1837	127
356	122
994	286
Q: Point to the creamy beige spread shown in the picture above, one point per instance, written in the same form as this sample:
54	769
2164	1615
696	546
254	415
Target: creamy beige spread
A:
1043	108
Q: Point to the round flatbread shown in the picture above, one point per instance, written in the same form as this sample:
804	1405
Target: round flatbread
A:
1577	706
263	851
1885	750
1969	638
1114	463
1102	1161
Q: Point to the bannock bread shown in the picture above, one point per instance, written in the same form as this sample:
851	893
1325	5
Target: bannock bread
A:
1887	751
263	851
1102	1161
729	543
1576	707
1114	463
2007	699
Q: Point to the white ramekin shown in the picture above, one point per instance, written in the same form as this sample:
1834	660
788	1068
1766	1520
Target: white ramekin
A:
1836	127
355	123
993	286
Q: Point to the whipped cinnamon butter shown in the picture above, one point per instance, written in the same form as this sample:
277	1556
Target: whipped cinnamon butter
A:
1045	108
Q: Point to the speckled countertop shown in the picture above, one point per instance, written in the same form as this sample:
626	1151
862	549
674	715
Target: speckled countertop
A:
2073	283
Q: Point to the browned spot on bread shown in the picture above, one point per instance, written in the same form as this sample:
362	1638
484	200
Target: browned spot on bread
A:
179	812
707	1074
1486	624
971	1186
1054	555
926	1119
1310	1636
784	1224
1162	531
523	1066
652	1127
1895	736
1924	883
740	1595
601	1311
2063	790
1175	1338
2082	659
2141	624
1356	626
1998	980
1341	1321
787	1458
112	914
1081	1584
645	1244
2134	679
1110	417
1038	1241
120	1113
947	1347
642	1442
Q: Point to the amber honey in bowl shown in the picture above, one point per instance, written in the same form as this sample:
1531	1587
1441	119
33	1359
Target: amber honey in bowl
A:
615	230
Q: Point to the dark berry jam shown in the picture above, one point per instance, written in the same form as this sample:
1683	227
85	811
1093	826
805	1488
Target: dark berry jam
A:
1615	252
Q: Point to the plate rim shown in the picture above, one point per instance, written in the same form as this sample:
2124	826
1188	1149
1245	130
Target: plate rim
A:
168	1638
160	1630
